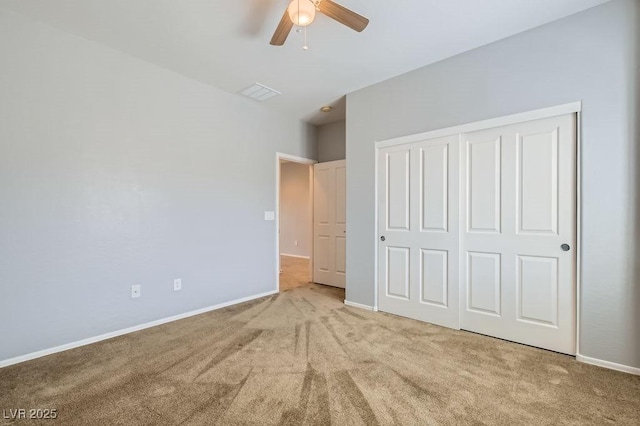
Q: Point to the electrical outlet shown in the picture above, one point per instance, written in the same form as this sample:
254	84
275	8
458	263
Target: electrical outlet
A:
295	243
136	291
177	284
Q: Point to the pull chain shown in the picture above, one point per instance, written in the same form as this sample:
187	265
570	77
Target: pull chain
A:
305	47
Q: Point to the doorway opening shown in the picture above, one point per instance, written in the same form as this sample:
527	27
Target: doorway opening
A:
294	221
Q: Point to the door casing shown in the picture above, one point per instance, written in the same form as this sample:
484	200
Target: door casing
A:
301	160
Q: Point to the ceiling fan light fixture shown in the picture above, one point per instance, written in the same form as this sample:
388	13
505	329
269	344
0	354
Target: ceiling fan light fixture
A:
302	12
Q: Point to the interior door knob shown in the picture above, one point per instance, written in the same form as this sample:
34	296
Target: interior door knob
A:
565	247
382	238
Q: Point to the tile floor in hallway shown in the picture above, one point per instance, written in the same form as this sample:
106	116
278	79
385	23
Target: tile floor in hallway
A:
295	272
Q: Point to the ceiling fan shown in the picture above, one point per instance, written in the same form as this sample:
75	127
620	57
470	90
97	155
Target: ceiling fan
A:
303	12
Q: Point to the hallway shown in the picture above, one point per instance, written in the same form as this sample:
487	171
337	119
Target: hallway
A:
294	272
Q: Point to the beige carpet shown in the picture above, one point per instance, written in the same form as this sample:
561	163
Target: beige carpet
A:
295	272
302	357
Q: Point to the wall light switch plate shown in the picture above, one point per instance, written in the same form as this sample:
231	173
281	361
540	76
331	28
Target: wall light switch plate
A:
177	284
269	215
136	291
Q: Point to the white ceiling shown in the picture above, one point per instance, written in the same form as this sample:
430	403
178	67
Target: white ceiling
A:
225	43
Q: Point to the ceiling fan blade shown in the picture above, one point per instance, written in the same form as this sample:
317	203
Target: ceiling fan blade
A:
283	30
343	15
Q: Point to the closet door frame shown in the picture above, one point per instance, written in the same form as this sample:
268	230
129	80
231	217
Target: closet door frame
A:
570	108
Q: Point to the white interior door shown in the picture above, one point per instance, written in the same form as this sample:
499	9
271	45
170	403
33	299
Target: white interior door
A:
418	230
329	223
519	209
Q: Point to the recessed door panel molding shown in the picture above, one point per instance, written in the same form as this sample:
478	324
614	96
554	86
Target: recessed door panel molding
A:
434	171
322	253
536	302
341	255
418	184
329	223
434	276
320	206
397	183
341	195
483	190
537	288
484	283
537	188
398	272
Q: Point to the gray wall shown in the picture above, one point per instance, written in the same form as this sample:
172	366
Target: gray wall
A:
332	141
592	57
295	209
116	172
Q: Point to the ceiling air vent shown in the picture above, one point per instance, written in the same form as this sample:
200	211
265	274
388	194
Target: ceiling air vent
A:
259	92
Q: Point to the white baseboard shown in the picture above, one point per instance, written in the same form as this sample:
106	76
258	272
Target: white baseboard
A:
360	305
95	339
608	364
294	255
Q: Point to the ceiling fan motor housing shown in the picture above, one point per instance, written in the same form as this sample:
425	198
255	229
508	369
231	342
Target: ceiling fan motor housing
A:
302	12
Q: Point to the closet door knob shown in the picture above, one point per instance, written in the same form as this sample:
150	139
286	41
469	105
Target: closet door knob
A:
382	238
565	247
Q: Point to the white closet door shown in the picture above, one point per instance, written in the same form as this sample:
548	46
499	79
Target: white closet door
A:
329	223
418	230
519	233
